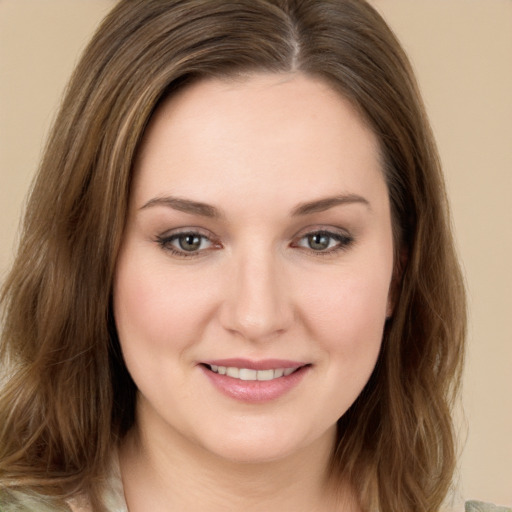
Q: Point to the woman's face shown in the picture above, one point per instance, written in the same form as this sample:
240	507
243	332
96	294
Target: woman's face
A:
253	281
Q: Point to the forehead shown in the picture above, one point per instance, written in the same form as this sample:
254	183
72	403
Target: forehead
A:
262	134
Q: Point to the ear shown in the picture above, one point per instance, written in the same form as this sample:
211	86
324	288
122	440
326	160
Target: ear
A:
396	281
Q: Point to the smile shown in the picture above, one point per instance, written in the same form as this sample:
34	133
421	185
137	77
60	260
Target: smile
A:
249	374
254	381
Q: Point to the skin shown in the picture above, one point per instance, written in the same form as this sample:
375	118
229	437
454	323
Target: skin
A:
256	149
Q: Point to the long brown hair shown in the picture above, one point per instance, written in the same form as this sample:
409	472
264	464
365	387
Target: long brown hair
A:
68	399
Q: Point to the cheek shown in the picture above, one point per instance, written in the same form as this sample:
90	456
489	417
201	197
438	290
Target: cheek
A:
346	314
155	308
347	323
348	303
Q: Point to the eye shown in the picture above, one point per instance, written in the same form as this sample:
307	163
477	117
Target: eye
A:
324	241
185	244
190	242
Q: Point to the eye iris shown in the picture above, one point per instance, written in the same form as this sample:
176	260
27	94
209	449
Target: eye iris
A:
318	241
189	242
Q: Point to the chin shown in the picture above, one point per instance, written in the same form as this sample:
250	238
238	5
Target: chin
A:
263	445
254	453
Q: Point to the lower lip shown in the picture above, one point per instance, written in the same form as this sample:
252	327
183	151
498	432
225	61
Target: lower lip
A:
255	391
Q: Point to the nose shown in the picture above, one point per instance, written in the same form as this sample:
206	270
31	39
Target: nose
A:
258	304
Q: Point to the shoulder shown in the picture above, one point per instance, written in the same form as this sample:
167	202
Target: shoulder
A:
19	501
78	505
15	500
480	506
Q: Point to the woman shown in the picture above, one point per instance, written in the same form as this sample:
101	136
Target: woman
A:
237	287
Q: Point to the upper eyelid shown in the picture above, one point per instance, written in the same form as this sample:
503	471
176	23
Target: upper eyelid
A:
192	230
329	230
335	236
343	237
172	234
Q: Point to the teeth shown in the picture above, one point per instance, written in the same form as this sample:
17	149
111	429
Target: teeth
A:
249	374
245	374
265	374
231	371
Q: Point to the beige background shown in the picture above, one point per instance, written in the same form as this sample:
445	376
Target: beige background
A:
462	52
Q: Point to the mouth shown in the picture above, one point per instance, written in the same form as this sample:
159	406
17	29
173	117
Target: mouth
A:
250	374
254	381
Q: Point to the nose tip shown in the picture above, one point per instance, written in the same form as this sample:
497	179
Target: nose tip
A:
256	325
258	305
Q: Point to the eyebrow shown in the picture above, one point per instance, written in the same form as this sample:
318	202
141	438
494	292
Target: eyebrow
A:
184	205
321	205
207	210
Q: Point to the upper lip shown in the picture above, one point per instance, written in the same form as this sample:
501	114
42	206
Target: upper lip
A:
263	364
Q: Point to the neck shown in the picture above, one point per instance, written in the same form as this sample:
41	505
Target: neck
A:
163	470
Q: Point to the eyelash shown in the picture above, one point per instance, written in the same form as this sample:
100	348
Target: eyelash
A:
165	242
344	241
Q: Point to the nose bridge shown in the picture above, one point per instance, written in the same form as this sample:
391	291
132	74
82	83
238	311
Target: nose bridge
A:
258	305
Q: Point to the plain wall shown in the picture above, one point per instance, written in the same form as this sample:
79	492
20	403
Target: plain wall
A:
462	52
